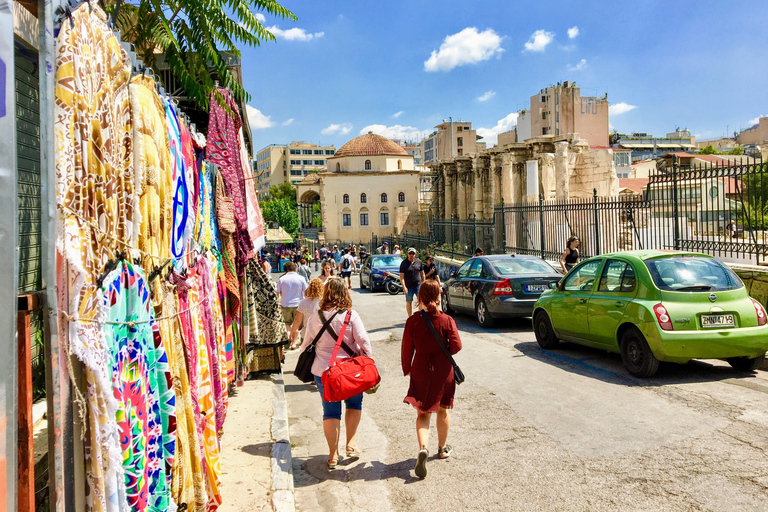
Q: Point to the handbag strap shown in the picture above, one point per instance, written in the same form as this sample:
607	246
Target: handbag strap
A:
340	340
335	336
326	325
438	338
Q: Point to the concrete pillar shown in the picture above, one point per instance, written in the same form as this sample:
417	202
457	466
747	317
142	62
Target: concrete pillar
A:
562	180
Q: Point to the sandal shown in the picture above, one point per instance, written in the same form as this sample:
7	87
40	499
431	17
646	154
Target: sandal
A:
445	451
332	463
353	451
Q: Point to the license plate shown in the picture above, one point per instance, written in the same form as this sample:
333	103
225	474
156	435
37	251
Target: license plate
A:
709	321
538	288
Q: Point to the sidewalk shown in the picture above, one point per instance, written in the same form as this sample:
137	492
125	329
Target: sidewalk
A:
255	449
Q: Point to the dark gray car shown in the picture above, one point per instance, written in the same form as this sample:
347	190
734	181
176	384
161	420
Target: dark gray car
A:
498	286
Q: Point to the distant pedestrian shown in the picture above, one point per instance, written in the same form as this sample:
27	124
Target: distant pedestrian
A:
326	271
304	270
290	289
307	307
570	255
430	269
383	248
732	229
334	305
346	267
266	265
432	386
478	252
411	277
396	250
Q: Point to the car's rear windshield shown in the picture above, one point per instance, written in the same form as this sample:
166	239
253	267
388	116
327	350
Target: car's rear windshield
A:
388	261
692	274
511	266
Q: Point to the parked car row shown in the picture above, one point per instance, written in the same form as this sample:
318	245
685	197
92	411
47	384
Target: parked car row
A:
648	306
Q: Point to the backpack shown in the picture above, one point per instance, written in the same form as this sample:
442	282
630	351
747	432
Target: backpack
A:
345	264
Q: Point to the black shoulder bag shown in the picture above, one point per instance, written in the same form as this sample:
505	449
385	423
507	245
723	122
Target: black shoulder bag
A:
303	369
458	375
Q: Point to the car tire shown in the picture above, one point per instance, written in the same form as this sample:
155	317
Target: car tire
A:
482	314
746	364
545	334
446	305
637	355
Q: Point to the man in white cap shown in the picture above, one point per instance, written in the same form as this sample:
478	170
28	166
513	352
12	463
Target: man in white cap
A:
411	277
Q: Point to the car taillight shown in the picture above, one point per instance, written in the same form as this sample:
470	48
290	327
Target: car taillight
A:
662	316
761	320
503	288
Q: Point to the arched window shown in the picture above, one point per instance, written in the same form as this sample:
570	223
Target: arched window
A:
383	198
345	199
367	165
399	165
401	197
346	218
338	166
363	198
364	216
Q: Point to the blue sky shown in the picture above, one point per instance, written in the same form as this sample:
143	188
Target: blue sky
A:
402	67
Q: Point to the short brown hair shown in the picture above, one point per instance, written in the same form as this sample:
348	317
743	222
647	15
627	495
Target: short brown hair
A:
315	289
289	267
335	296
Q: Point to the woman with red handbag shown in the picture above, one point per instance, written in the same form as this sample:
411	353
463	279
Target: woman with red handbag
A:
336	316
432	373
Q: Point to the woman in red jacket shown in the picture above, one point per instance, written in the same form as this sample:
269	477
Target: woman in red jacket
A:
432	384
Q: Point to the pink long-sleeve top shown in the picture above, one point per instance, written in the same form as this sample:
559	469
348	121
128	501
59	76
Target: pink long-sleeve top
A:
356	337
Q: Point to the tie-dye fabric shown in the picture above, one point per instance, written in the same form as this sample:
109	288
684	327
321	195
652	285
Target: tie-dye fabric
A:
181	225
206	228
140	385
94	182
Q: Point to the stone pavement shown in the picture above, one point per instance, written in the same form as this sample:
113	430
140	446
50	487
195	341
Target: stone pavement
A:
255	449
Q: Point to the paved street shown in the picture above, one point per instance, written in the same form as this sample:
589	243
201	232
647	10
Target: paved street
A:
536	430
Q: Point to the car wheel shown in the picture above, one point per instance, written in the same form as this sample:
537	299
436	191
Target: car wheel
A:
746	364
484	317
545	334
446	305
637	355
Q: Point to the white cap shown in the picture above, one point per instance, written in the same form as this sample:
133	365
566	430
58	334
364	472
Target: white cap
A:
411	250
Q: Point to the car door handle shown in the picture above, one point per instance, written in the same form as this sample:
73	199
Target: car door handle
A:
582	301
618	304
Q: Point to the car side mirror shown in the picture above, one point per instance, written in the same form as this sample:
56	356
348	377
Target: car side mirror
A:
561	285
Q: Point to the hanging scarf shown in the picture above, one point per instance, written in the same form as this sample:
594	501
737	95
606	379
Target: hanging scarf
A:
181	226
94	182
142	387
206	233
255	220
264	306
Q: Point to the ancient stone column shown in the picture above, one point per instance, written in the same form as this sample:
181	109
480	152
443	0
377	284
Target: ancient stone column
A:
461	207
562	181
449	171
546	175
507	185
478	171
441	190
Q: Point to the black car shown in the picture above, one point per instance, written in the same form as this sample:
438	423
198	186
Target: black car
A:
499	285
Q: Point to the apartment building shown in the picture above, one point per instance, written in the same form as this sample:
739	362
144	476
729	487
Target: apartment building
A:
451	139
279	163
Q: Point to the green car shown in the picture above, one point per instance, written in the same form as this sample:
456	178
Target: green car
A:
653	306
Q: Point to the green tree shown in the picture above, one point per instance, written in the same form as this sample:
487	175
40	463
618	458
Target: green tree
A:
738	150
709	150
283	212
191	34
283	191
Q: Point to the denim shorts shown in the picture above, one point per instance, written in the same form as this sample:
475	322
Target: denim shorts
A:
332	410
411	293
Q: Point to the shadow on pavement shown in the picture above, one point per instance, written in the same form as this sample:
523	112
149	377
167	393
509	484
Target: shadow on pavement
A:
315	470
607	366
466	323
263	449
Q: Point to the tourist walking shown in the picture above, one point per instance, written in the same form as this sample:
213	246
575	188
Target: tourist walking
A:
290	289
307	306
334	306
432	386
383	248
266	265
430	269
347	267
304	270
570	255
326	271
411	277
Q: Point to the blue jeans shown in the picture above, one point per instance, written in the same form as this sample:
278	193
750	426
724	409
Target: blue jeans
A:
332	410
411	293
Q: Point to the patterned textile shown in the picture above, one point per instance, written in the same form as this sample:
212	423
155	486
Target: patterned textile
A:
188	481
153	173
94	179
142	387
181	230
206	233
264	306
228	255
223	149
255	219
205	398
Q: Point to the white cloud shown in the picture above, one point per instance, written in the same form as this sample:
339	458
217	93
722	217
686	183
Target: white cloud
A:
397	131
755	120
341	129
578	67
539	41
256	119
398	114
620	108
294	34
486	96
573	32
504	125
260	17
466	47
288	122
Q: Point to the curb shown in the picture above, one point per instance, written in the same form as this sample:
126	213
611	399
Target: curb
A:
282	462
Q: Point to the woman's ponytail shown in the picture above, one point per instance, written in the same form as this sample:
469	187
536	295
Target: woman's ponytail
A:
429	296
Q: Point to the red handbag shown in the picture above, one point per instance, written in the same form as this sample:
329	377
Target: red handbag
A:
346	378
